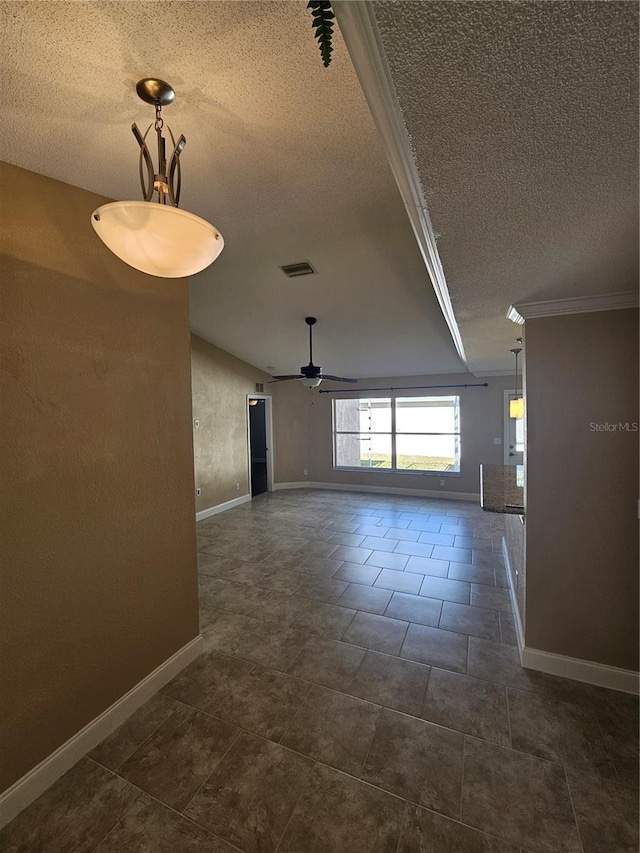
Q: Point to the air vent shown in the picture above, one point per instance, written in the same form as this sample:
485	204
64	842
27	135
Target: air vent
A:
293	270
259	388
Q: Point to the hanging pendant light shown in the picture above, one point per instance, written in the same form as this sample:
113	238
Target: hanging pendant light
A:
157	237
516	406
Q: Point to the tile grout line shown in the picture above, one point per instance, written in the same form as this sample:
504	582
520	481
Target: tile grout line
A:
366	756
243	730
404	640
573	809
306	576
464	754
221	759
423	706
128	756
399	655
297	803
293	719
402	825
126	811
144	793
610	755
506	698
348	696
142	743
357	672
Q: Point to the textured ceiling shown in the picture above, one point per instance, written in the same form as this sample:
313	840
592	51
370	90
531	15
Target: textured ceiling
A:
282	157
523	120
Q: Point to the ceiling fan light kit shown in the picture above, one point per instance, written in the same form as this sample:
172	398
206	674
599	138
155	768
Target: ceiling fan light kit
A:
311	375
156	237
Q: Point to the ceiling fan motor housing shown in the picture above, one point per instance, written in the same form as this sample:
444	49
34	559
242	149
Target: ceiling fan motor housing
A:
311	371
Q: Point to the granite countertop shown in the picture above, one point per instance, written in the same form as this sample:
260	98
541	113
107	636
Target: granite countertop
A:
501	488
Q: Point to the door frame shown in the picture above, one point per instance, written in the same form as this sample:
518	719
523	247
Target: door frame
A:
268	417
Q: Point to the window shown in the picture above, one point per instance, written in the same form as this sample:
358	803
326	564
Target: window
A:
397	433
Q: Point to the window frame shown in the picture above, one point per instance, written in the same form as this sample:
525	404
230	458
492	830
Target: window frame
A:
393	398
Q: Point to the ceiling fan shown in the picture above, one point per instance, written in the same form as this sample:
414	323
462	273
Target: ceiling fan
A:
311	375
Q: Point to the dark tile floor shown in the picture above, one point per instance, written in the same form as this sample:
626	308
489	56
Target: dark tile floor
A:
360	693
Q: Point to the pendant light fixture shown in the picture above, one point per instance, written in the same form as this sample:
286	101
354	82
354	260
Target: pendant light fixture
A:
516	406
157	237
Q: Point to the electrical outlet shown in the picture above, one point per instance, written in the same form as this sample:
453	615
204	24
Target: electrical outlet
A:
198	492
497	441
196	424
442	482
237	487
306	472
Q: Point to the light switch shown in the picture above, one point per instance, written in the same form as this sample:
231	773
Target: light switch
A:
196	424
497	441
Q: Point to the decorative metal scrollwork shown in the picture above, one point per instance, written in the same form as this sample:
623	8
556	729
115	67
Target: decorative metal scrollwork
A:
145	159
167	181
174	171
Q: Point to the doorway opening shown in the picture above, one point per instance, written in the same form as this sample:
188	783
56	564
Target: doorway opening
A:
513	440
260	443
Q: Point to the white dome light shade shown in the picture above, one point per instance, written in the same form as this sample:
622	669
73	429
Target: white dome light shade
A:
157	239
311	383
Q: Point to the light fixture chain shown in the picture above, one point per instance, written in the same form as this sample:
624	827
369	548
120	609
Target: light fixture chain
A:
159	120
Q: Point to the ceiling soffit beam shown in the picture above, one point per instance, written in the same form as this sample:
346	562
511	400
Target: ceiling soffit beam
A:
576	305
360	32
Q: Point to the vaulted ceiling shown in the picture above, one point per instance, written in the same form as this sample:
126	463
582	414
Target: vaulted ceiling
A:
523	123
282	156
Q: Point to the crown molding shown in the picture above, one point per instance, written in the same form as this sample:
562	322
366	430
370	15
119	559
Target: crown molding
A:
514	315
576	305
360	32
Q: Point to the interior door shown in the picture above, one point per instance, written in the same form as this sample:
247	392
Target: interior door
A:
258	441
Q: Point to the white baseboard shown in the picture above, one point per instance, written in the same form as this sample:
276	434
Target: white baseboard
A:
579	670
214	510
582	670
279	486
23	792
514	600
381	490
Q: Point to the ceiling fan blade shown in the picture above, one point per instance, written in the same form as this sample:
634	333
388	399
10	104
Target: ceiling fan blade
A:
337	378
284	378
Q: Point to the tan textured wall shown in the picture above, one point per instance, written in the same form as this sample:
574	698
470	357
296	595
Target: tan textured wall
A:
481	419
97	543
221	383
582	487
294	410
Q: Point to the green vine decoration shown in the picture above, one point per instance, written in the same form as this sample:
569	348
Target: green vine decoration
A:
322	22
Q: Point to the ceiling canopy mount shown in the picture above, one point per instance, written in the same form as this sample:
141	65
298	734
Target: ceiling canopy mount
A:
153	91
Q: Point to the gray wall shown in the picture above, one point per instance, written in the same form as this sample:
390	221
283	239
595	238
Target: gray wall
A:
582	487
